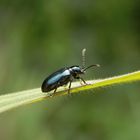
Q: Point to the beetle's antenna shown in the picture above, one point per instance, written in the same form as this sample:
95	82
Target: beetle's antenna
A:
83	57
95	65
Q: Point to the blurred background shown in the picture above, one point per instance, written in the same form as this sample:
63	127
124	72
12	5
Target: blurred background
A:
38	37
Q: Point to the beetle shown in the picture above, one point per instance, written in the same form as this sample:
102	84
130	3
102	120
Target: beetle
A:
64	76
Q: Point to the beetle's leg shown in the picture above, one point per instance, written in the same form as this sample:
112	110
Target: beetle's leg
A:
83	80
53	92
69	87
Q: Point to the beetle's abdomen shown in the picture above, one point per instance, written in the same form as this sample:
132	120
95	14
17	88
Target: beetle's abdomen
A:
48	87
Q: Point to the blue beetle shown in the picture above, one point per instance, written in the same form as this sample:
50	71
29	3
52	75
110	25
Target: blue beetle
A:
64	76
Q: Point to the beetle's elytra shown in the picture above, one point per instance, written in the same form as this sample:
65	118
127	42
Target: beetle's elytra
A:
64	76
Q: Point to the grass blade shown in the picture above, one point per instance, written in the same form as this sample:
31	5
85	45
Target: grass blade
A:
16	99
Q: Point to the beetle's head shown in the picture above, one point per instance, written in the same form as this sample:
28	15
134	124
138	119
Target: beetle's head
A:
77	70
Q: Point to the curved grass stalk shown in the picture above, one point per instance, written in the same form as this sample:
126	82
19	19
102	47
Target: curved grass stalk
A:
16	99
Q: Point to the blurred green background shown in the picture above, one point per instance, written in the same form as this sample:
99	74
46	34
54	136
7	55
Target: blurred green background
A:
38	37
